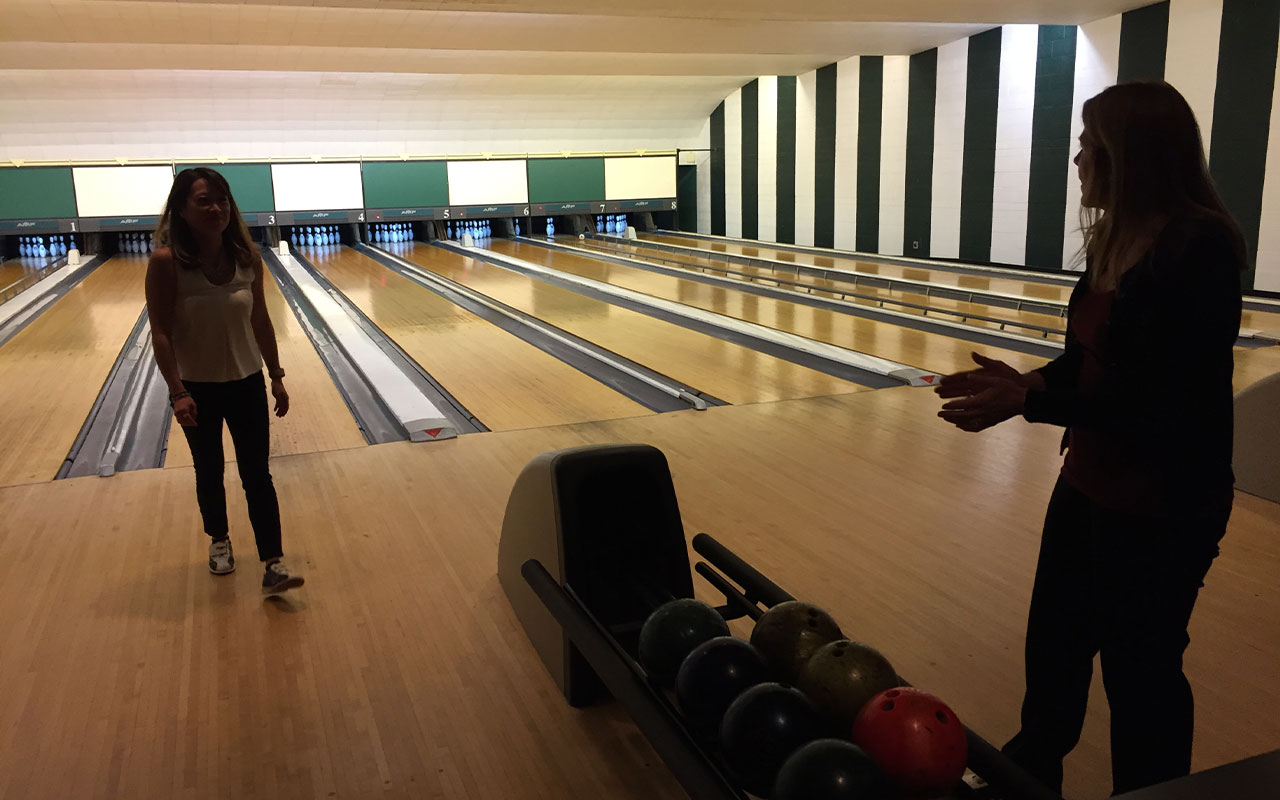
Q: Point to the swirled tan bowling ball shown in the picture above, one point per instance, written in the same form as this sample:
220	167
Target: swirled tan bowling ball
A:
842	676
789	633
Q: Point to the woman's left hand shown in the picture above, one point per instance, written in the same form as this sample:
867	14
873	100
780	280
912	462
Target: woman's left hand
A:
994	400
281	395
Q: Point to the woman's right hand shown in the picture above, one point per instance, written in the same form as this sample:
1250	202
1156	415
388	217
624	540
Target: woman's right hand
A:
963	384
184	410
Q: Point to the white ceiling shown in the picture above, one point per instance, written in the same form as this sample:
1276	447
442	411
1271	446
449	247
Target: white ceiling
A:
395	73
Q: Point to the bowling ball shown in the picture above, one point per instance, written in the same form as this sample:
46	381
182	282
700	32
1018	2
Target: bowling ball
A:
915	738
830	769
760	731
712	677
672	631
842	676
582	237
789	633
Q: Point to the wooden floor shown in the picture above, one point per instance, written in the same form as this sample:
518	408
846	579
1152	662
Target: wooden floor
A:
1252	364
52	370
399	670
1268	321
318	417
19	270
505	382
976	281
729	371
895	342
870	295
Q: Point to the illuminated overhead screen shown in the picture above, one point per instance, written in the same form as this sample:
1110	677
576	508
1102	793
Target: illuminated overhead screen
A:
478	183
639	178
317	187
122	191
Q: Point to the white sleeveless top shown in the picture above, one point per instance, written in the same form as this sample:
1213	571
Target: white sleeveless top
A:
212	336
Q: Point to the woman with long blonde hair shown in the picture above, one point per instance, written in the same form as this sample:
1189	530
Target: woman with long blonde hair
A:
1144	391
211	332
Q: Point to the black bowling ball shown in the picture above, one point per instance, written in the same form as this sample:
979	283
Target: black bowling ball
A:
830	769
712	677
761	729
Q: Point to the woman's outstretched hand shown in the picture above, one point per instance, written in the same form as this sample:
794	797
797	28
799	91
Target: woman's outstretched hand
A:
983	397
962	384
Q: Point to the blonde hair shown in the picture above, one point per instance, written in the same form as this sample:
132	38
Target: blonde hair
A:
1150	155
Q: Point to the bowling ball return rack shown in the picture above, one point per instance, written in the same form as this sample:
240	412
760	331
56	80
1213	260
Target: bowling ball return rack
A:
592	542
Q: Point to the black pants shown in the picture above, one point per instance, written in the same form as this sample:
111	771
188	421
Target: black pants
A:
1122	585
243	404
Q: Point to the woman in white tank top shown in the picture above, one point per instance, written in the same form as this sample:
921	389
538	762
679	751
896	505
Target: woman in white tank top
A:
211	333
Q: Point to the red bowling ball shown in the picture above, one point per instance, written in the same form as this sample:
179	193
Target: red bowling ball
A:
917	741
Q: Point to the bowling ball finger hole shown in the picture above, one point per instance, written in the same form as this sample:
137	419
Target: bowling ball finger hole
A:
941	717
887	705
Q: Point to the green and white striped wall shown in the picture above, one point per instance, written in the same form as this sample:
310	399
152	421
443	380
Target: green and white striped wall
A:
964	151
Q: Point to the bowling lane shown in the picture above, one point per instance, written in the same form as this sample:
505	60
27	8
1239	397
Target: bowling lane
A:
16	275
1024	288
731	372
895	342
51	372
1254	364
506	382
1268	321
14	270
318	418
826	286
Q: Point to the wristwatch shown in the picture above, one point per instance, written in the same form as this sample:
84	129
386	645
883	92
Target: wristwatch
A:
275	374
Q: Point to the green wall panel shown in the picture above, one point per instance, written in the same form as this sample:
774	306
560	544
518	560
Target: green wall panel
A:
566	180
37	193
250	184
406	184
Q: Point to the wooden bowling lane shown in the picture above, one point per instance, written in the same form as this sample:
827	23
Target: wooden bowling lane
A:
13	271
318	417
505	382
733	373
871	295
1255	363
51	372
977	282
905	345
1267	321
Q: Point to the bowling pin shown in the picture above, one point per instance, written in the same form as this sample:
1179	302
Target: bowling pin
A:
293	236
41	250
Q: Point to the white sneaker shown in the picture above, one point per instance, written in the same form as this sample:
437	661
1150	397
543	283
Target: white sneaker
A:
221	561
277	579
